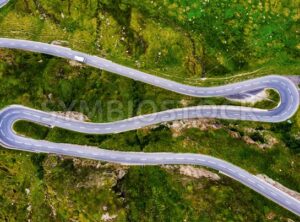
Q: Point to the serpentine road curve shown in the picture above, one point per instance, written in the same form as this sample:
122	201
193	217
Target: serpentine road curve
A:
288	106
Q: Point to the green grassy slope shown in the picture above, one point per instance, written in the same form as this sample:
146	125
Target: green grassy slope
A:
179	40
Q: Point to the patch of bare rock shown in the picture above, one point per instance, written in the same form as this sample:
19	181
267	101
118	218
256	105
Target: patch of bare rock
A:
72	115
177	127
75	64
108	217
100	174
60	43
195	172
268	140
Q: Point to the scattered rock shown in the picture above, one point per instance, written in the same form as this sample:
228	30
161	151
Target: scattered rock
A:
269	141
234	134
73	115
195	172
60	42
75	64
248	130
184	102
248	140
100	175
203	124
78	163
53	210
29	208
107	217
121	174
50	95
270	216
198	173
27	191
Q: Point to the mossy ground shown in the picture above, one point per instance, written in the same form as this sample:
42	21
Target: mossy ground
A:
179	40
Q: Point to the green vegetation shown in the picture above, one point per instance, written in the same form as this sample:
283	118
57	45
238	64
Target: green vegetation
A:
144	189
163	197
180	40
271	102
289	138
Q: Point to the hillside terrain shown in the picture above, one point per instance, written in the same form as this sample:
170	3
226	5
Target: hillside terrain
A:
193	42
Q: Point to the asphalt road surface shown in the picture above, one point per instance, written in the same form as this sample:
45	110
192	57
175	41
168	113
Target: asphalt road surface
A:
3	2
288	106
287	90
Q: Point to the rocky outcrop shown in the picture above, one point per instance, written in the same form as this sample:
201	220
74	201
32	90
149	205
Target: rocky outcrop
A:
108	217
198	173
72	115
203	124
195	172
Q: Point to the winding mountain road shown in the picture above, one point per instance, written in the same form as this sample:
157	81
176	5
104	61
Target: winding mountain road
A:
288	106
